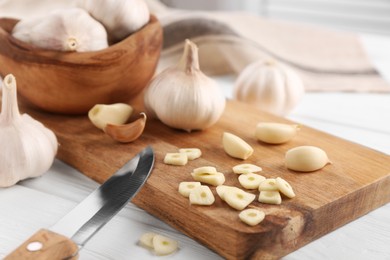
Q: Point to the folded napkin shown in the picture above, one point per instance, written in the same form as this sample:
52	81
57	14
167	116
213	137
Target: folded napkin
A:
327	60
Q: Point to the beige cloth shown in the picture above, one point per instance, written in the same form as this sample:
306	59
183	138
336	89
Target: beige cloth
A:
228	41
327	60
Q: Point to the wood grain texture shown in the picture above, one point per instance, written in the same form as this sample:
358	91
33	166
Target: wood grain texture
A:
54	246
357	181
73	82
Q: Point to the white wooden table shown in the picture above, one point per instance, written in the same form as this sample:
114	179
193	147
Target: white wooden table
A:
361	118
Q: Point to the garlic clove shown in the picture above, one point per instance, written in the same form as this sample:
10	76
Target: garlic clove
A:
269	85
125	16
275	133
236	147
117	114
31	147
127	133
306	159
71	29
183	97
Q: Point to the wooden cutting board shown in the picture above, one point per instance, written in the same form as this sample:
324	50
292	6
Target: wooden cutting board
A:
357	182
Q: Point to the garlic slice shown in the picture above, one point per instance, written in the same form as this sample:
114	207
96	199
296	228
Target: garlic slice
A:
28	147
183	97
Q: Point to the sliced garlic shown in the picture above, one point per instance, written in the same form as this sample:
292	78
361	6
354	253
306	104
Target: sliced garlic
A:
236	147
306	159
246	168
284	187
117	114
251	180
186	187
192	153
204	169
270	197
178	159
202	195
275	133
237	198
146	240
222	189
251	217
268	184
127	133
214	179
163	245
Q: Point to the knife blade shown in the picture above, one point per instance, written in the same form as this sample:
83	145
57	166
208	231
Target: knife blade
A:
65	238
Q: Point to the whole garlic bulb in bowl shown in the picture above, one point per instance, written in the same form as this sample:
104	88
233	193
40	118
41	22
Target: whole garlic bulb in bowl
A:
70	82
270	86
71	29
120	17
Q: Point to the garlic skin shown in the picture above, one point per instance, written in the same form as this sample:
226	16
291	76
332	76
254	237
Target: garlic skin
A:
29	147
120	17
71	29
269	85
183	97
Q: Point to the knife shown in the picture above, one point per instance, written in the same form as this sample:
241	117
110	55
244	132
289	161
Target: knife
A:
65	238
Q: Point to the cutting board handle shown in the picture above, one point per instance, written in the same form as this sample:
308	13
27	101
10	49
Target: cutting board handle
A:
45	245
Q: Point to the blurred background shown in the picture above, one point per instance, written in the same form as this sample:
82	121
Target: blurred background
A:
364	16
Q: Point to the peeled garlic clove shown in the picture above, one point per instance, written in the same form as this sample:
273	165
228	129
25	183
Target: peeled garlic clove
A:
28	147
70	29
306	159
269	85
183	97
120	17
275	133
127	133
117	114
236	147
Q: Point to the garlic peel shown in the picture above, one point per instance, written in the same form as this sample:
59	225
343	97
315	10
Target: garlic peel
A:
183	97
269	85
31	147
127	133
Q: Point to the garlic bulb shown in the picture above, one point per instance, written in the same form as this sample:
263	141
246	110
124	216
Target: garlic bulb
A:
271	86
66	30
120	17
183	97
28	148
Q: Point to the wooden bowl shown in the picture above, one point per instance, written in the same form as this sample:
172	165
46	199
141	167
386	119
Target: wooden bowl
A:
72	82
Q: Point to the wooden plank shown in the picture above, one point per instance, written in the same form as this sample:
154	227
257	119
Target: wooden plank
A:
357	181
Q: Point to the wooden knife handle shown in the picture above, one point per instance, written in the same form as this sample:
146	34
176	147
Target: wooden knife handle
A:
45	245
